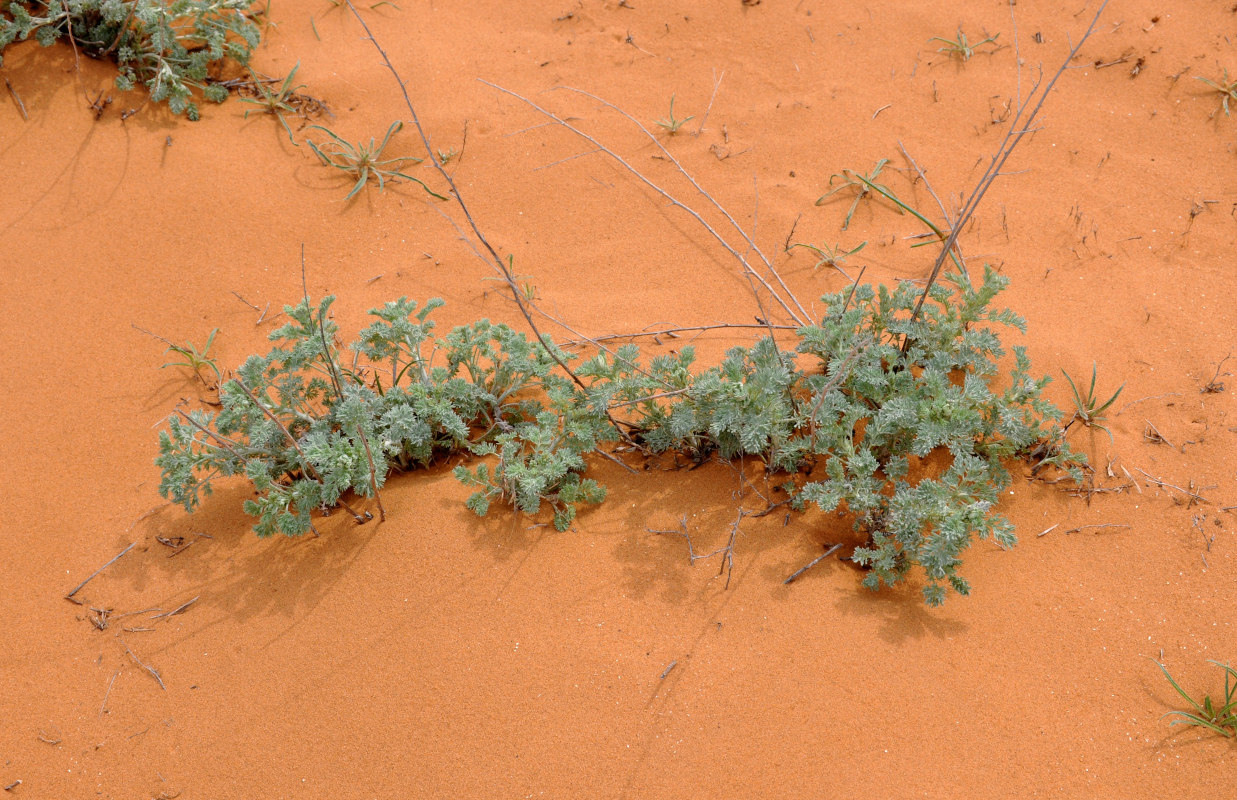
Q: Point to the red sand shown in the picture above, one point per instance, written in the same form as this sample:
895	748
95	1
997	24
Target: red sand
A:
442	655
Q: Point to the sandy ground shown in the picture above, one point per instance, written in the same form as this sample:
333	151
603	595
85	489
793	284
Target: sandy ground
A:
439	654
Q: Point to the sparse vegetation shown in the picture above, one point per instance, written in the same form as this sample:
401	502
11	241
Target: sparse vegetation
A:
364	161
961	48
1225	88
1087	408
670	124
1209	714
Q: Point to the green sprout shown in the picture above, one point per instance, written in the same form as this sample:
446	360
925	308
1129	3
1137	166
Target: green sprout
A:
961	48
863	184
365	162
1088	409
277	102
1227	89
671	125
196	360
1222	720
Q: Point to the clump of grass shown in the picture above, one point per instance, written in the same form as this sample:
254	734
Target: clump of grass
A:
1087	408
670	124
1227	89
195	359
960	48
365	161
1221	719
276	102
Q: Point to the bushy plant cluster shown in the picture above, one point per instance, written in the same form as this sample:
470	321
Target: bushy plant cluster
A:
900	421
168	46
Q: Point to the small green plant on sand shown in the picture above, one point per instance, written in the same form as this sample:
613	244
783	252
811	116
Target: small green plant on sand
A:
1087	408
1227	89
863	185
960	47
889	419
172	47
364	161
195	359
276	102
670	124
830	256
1221	719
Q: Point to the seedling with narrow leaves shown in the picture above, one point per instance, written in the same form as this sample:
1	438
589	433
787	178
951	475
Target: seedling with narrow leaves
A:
1087	408
863	185
1221	719
669	123
277	102
1227	89
960	47
364	161
196	360
828	256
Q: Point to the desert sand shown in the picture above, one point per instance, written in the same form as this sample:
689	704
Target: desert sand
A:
441	655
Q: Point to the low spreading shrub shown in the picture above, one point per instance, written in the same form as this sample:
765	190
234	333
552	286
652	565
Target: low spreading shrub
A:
903	422
168	46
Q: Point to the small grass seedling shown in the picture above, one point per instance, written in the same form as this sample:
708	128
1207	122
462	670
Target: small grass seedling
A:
1222	720
1227	89
830	256
365	162
863	185
962	49
194	359
671	125
277	102
1088	410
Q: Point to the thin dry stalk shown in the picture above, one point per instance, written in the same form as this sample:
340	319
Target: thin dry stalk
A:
497	260
801	316
1019	127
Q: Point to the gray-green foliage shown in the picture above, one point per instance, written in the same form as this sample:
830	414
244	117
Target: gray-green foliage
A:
902	425
168	46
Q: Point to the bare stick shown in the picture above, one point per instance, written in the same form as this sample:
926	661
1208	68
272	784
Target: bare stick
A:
801	318
1047	531
1141	399
1162	484
1087	527
373	477
181	608
227	443
1214	385
69	596
309	467
503	269
17	99
246	302
146	667
720	209
833	549
932	192
672	331
103	707
717	81
1018	128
